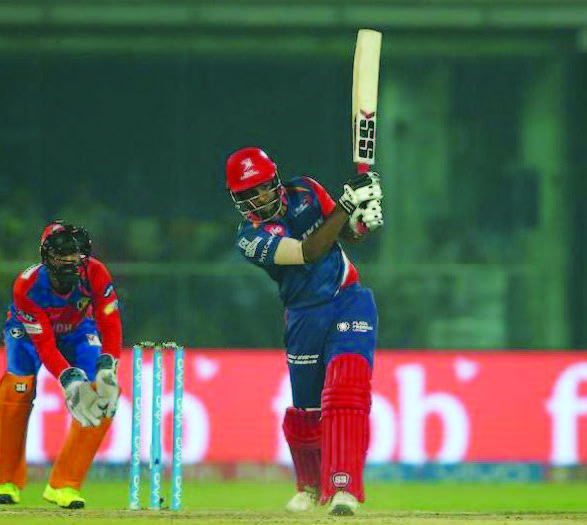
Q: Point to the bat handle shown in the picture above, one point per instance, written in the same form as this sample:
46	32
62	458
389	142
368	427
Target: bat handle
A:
362	167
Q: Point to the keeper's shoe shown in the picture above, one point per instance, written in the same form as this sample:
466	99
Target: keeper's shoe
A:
9	494
304	501
343	504
65	497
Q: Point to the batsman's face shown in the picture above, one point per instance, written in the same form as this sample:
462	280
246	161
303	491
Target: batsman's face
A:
72	259
259	195
264	200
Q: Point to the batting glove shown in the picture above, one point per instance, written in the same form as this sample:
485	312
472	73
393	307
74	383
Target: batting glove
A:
80	398
361	189
107	384
367	217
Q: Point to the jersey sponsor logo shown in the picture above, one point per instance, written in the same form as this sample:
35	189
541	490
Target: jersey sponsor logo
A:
341	479
275	229
361	326
16	332
265	250
93	339
30	318
304	359
300	208
62	328
250	247
343	327
108	290
33	328
312	228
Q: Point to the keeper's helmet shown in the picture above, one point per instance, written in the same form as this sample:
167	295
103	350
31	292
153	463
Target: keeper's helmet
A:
254	185
59	241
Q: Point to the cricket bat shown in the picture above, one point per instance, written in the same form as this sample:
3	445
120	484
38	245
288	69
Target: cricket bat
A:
364	111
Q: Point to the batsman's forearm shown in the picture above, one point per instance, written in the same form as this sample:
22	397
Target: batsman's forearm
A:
319	242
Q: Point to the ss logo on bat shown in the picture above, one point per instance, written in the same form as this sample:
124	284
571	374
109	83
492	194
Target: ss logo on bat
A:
367	138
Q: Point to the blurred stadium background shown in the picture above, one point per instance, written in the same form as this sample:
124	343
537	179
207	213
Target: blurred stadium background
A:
119	114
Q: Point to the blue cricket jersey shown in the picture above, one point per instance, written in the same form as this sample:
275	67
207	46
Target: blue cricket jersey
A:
303	285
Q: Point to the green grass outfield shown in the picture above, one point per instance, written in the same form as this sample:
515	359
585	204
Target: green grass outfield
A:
407	503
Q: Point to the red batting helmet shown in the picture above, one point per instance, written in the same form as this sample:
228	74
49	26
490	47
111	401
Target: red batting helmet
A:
246	169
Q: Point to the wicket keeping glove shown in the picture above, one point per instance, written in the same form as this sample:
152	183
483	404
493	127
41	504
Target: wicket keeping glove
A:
360	189
367	217
80	398
107	384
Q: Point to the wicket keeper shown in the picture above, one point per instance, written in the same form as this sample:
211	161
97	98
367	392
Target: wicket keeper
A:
292	231
64	315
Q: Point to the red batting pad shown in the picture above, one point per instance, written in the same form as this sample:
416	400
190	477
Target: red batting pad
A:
303	435
16	402
346	402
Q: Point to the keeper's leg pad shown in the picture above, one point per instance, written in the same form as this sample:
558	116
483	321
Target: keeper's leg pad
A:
346	403
303	435
16	402
76	455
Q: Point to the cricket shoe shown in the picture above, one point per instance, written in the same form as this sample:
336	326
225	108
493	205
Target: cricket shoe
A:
343	504
9	494
65	497
304	501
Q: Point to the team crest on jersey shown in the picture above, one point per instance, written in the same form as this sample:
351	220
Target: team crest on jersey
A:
17	332
82	304
111	307
341	479
275	229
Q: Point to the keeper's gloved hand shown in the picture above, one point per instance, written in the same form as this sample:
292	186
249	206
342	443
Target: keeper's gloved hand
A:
80	398
359	190
107	384
367	217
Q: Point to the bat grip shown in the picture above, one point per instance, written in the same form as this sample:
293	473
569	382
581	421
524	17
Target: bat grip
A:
362	167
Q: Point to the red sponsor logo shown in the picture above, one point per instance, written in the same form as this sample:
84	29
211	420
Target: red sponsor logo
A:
447	407
275	229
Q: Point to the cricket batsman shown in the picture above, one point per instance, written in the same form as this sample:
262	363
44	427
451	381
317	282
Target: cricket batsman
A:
64	315
292	231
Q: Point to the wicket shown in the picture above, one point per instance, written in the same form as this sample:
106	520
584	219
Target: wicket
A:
156	464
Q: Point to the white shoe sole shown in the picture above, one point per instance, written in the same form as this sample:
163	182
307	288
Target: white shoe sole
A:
343	504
